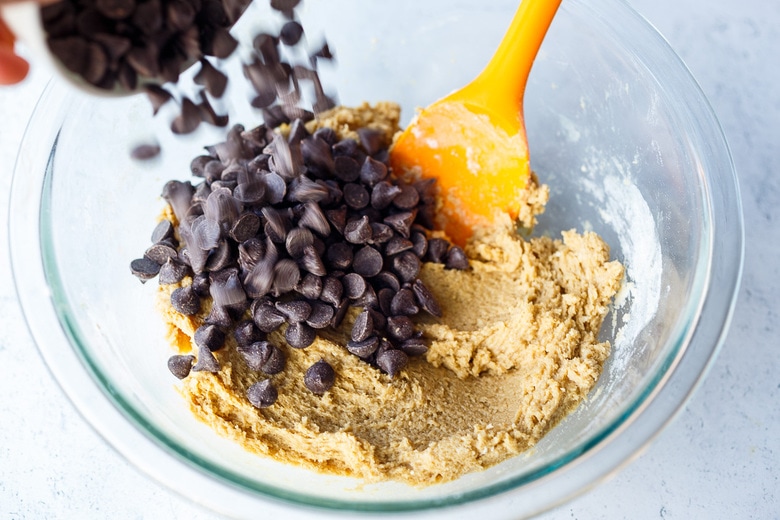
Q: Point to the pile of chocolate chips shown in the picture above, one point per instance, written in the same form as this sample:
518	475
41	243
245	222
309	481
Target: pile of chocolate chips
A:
290	232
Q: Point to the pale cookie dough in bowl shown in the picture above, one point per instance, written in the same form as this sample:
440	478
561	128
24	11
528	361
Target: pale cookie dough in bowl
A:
617	129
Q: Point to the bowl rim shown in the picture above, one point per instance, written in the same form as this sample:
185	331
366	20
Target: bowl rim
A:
33	266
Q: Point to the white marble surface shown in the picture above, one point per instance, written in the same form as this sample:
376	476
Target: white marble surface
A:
719	459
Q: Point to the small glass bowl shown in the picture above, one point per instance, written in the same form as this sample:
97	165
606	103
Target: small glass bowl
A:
618	129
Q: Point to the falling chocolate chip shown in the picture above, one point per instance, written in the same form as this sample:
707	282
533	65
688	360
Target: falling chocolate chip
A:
291	33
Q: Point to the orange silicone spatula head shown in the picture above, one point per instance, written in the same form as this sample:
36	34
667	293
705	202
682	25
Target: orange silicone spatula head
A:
473	141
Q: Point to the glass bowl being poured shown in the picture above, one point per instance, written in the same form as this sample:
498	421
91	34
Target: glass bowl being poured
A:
617	128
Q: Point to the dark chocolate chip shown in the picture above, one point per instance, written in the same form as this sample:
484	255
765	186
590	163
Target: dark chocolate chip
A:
267	318
363	349
206	361
286	276
294	310
340	312
180	366
338	218
346	168
363	326
383	193
222	44
144	268
319	377
372	171
314	219
371	139
407	266
310	261
400	327
299	335
391	361
339	255
420	244
246	227
414	347
262	394
298	239
386	279
145	151
425	298
172	272
401	222
211	78
354	285
246	333
321	315
115	9
162	231
367	261
310	286
356	196
263	356
185	301
437	250
201	284
385	300
404	303
397	245
380	233
332	290
358	231
408	198
456	259
161	252
209	336
219	317
189	118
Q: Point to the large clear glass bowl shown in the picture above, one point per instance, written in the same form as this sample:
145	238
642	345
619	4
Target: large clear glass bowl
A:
617	127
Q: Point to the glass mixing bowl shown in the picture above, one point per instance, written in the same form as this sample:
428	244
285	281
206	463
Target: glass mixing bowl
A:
617	128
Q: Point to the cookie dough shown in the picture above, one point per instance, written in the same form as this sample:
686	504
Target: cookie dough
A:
515	351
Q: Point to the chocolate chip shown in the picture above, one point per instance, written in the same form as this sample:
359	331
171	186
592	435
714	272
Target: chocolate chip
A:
356	196
354	285
267	318
367	261
263	356
397	245
310	261
209	336
206	361
211	78
340	312
383	193
385	299
314	219
319	377
363	326
299	335
408	198
403	303
400	327
262	394
246	227
456	259
321	315
338	218
358	231
401	222
162	231
286	276
172	272
189	118
310	286
339	255
144	268
294	310
372	171
425	299
219	317
420	244
371	139
222	44
297	239
363	349
380	233
201	284
406	265
437	250
161	252
386	279
115	9
346	168
414	347
391	361
180	366
185	301
332	289
246	333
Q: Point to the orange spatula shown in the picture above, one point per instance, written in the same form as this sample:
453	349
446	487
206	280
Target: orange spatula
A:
473	140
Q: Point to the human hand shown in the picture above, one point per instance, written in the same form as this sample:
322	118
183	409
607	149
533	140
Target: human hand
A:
13	69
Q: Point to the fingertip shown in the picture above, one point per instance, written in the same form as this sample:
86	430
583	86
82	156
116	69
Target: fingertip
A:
13	69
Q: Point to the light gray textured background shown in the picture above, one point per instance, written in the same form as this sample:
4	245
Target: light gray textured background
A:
720	457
